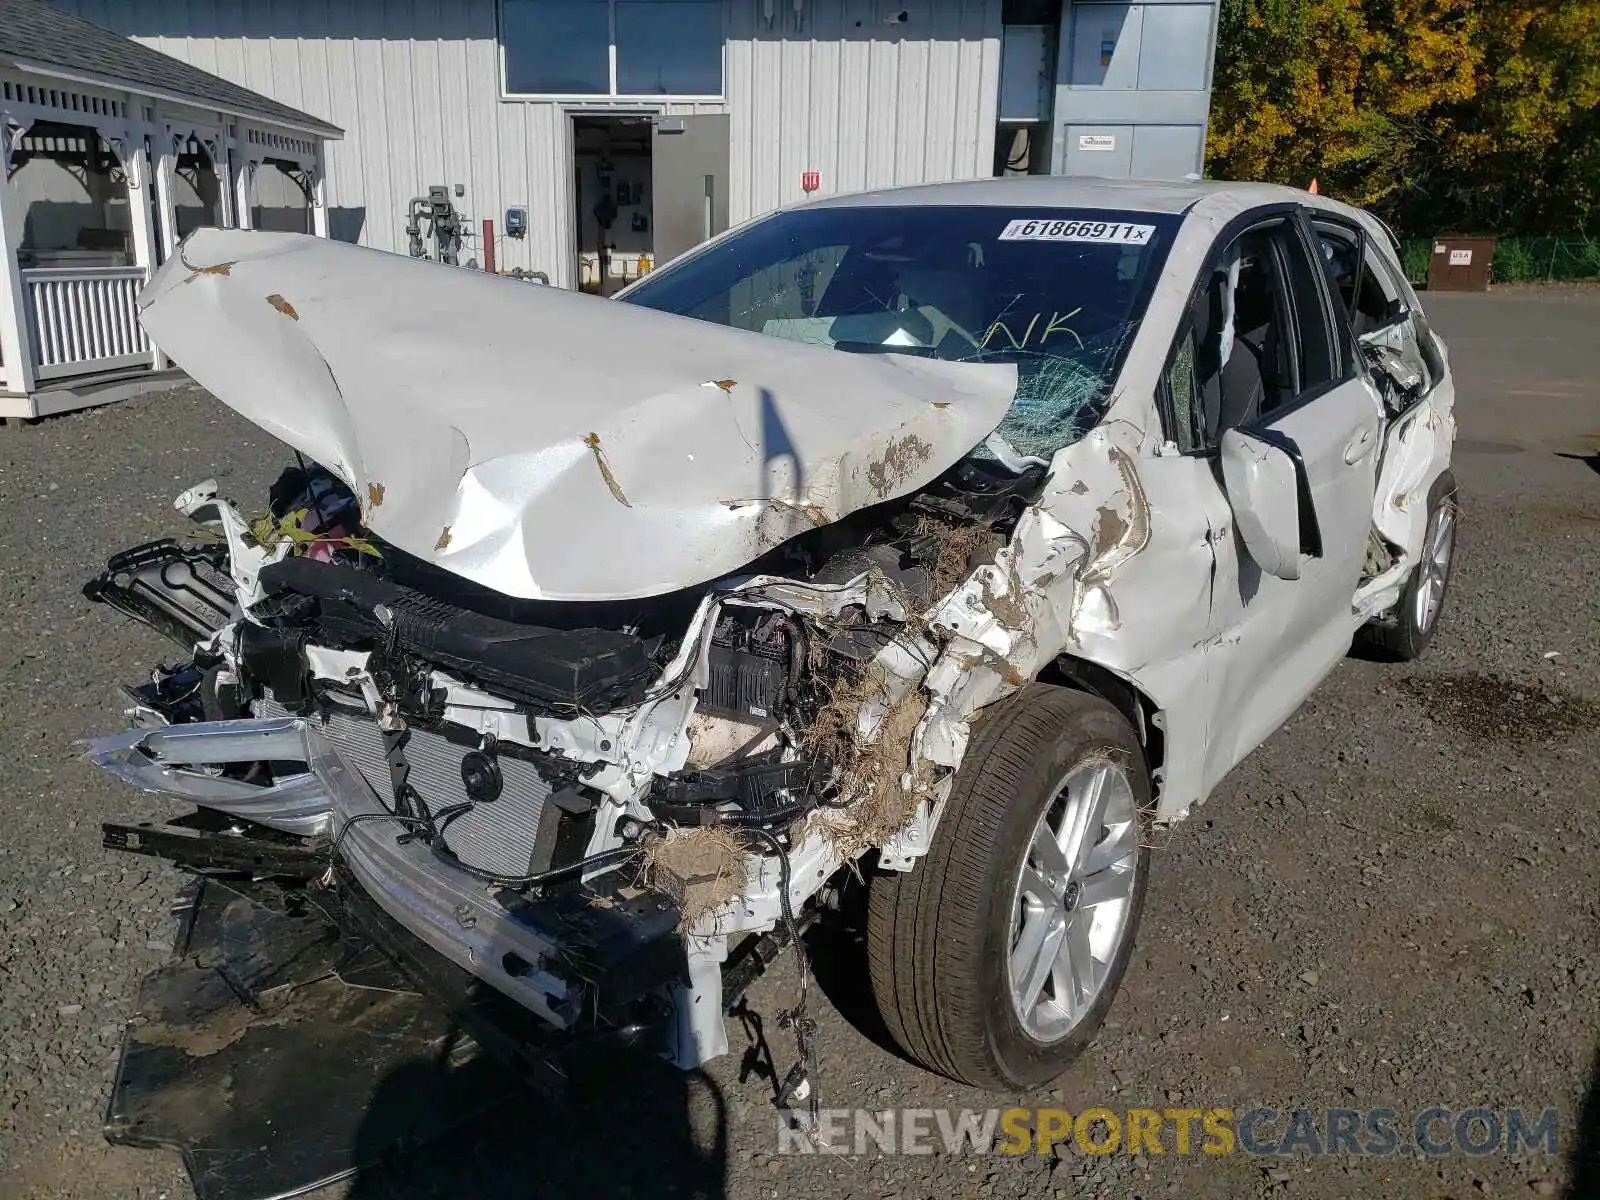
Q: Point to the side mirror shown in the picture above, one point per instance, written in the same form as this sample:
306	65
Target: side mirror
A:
1263	487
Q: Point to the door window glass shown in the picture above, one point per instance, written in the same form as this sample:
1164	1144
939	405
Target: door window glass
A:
1368	296
1259	336
1184	393
1318	360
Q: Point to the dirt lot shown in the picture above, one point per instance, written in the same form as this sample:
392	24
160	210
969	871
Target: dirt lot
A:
1392	903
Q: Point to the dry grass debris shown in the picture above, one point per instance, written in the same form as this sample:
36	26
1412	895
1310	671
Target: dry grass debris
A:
874	769
699	869
958	548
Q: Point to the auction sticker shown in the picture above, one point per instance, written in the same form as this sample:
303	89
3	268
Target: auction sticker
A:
1115	233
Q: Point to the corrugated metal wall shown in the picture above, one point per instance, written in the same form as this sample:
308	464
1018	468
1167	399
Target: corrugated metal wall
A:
847	89
843	87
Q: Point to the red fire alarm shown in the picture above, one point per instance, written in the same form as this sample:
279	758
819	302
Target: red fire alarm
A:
810	180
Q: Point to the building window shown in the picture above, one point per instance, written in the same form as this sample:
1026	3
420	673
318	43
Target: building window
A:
612	48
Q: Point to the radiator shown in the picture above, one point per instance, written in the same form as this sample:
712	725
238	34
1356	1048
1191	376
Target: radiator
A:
496	836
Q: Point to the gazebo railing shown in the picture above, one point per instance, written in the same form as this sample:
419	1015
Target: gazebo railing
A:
84	319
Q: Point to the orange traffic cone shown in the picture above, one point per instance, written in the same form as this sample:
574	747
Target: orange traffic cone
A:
1313	188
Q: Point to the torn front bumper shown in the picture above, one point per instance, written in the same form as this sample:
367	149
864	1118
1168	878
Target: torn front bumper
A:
449	911
184	761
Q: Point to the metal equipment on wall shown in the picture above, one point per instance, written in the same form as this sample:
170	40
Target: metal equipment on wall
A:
445	224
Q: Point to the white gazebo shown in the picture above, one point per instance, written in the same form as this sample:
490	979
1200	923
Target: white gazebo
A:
111	152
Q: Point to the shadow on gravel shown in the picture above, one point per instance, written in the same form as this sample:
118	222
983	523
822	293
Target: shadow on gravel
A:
283	1045
1585	1163
837	950
633	1127
1592	461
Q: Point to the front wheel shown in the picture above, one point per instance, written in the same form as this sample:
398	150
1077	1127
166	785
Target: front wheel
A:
996	959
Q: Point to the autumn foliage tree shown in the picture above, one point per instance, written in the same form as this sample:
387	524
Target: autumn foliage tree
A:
1438	113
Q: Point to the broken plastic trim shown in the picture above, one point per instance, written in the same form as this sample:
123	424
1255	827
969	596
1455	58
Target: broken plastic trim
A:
447	909
178	591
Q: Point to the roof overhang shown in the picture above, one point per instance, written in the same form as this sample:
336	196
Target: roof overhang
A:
309	125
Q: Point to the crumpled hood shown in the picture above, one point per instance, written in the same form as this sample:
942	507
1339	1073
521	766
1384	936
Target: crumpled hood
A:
545	443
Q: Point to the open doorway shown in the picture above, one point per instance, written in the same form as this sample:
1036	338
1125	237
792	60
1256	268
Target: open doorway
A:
1028	35
613	177
1022	148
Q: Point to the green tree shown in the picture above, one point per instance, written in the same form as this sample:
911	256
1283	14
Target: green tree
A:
1438	113
1337	90
1521	155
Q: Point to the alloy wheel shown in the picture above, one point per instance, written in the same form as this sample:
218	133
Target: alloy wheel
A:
1073	899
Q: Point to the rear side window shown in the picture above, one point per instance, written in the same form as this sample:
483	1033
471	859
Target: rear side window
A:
1369	296
1380	304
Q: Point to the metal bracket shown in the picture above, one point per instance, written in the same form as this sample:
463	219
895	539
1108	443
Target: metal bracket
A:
205	852
126	170
12	131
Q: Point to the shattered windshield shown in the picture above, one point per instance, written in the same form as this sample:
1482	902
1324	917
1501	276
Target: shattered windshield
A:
1058	292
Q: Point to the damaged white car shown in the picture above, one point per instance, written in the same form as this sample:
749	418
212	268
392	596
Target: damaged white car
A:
956	535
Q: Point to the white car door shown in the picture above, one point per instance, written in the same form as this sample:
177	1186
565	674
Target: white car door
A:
1268	355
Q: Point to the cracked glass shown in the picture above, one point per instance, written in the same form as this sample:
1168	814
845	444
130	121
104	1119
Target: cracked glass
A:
940	281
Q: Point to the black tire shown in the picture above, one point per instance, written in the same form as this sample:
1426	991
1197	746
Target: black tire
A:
1400	636
938	936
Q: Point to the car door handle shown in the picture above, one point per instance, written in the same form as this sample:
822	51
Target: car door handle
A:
1357	447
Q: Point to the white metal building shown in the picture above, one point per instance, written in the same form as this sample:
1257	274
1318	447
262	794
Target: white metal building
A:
674	117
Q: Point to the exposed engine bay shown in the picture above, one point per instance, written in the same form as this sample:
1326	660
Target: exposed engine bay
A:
518	748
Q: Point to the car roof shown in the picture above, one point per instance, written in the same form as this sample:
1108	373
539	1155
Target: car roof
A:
1060	191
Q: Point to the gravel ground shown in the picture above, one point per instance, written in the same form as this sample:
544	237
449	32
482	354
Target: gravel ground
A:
1391	903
